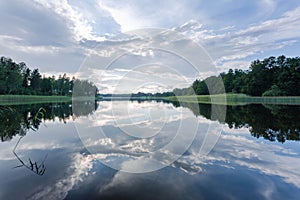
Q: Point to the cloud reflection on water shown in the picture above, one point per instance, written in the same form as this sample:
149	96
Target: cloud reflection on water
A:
236	153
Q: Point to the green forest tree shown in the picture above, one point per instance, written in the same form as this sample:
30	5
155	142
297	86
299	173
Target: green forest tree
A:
269	77
19	79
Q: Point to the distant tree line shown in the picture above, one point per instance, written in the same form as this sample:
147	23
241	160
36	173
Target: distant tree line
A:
19	79
163	94
269	77
137	95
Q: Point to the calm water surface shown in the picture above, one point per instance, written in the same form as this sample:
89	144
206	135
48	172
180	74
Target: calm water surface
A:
188	151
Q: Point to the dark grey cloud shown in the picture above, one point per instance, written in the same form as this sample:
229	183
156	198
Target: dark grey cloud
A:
46	36
34	24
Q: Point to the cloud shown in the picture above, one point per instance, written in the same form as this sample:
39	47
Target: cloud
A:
34	24
83	19
136	14
235	149
78	169
47	34
150	57
59	35
268	158
116	114
137	133
237	45
149	14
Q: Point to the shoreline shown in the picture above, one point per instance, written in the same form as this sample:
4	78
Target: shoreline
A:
37	99
222	99
236	99
30	99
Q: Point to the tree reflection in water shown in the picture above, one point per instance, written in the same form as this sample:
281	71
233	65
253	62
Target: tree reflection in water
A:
271	122
18	120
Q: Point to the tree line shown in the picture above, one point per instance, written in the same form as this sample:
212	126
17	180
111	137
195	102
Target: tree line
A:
268	77
17	78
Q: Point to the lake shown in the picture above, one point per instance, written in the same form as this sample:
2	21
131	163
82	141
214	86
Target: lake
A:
149	150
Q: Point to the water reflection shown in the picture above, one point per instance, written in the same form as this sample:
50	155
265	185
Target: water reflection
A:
34	166
19	119
138	137
237	162
271	122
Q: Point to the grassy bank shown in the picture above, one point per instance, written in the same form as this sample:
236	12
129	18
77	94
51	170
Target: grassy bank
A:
228	99
235	99
26	99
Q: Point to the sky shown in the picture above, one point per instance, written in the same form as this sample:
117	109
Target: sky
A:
63	35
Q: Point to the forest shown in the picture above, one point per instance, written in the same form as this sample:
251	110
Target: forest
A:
269	77
20	79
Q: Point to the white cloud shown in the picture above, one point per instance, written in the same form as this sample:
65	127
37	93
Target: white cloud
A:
155	56
148	14
238	45
81	27
134	134
48	35
52	35
79	168
270	159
